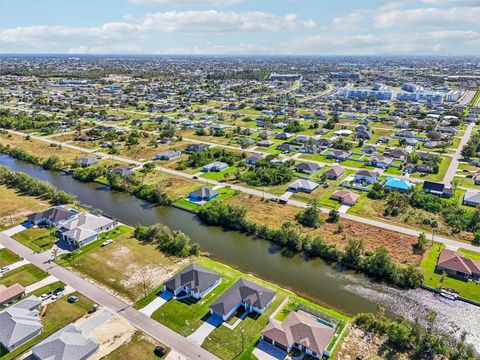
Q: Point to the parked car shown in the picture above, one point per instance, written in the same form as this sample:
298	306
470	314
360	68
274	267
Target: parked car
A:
4	269
72	299
46	296
160	351
107	242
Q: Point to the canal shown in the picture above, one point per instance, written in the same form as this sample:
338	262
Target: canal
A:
314	279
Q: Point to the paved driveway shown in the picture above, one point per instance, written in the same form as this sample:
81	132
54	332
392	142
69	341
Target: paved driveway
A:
156	303
199	336
16	265
15	230
266	351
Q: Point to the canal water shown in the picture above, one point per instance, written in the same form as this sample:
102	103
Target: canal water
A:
315	279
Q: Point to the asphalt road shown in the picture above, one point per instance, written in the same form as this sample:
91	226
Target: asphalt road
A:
452	169
142	322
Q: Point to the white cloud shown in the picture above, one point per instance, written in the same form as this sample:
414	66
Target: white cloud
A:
452	2
428	17
213	21
184	2
350	20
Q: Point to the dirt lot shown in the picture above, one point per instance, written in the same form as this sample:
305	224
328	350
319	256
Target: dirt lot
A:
274	215
175	186
14	208
359	344
111	335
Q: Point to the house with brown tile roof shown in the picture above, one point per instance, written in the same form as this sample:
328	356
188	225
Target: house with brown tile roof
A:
455	264
302	331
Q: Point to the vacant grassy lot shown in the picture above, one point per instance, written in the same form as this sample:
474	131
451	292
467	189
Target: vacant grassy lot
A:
265	212
25	275
56	316
40	148
7	257
127	266
139	347
444	164
15	207
176	187
467	289
38	239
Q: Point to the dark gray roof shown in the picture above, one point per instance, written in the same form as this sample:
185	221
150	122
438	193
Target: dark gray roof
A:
54	214
307	166
66	344
243	291
194	277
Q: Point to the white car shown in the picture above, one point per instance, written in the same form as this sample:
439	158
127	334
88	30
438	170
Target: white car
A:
107	242
4	269
45	296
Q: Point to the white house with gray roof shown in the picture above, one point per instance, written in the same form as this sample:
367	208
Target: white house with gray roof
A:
20	323
85	228
68	343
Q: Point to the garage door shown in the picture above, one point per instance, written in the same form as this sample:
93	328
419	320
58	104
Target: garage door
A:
284	348
268	340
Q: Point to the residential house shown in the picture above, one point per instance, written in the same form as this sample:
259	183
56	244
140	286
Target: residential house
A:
340	155
307	168
68	343
476	178
384	139
471	198
286	148
123	171
343	133
379	161
85	228
301	331
205	193
439	189
51	217
406	134
265	143
194	281
324	143
309	149
11	293
370	149
253	159
215	166
87	161
398	154
302	185
243	294
345	197
334	172
455	264
197	147
20	323
283	136
266	134
366	177
168	155
398	185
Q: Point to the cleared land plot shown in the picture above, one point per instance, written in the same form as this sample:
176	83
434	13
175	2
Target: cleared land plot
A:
40	148
139	347
127	266
265	212
16	207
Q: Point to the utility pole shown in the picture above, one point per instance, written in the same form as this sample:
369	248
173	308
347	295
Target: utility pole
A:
243	341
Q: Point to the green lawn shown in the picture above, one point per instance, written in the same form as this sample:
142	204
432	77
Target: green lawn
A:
38	239
187	205
444	164
470	289
56	316
8	257
221	175
48	288
25	275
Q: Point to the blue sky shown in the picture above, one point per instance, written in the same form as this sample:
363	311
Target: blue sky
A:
241	27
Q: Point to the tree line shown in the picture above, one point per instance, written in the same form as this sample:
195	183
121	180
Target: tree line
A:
28	185
377	264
